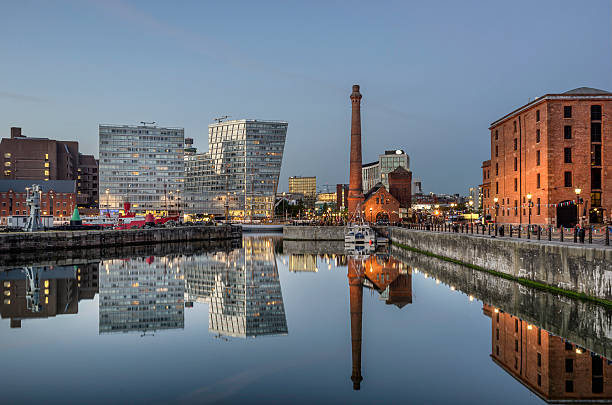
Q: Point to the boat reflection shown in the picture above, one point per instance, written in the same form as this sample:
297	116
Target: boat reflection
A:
380	273
552	367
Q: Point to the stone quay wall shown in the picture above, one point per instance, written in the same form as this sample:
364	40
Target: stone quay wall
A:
14	242
313	233
586	324
577	268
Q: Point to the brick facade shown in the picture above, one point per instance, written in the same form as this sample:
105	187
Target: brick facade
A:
400	186
379	204
547	149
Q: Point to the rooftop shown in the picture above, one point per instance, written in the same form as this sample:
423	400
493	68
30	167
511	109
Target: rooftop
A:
19	186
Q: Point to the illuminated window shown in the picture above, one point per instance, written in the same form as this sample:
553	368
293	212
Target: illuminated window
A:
7	284
7	155
7	164
46	156
46	164
46	291
46	300
7	293
46	283
7	301
46	172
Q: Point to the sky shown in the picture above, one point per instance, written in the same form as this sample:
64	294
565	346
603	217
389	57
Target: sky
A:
433	75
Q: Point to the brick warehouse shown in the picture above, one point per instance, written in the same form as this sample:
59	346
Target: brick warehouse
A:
547	149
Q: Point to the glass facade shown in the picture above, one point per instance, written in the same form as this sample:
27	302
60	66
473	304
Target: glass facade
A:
142	165
240	171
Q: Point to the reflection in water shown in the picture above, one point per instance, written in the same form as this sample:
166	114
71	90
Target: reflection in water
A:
46	291
242	287
381	273
141	295
550	366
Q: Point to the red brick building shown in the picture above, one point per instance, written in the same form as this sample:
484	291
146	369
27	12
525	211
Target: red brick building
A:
547	149
554	369
25	158
400	186
380	205
58	198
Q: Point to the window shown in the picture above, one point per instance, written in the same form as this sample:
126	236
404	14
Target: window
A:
567	132
569	365
538	208
496	188
496	134
538	180
515	164
497	350
539	360
596	132
567	179
567	155
515	345
496	169
515	184
537	115
515	207
595	113
539	330
496	151
7	164
516	325
569	385
46	156
568	346
539	380
596	199
516	363
46	164
497	334
7	155
514	126
596	179
596	154
537	136
567	111
515	144
537	158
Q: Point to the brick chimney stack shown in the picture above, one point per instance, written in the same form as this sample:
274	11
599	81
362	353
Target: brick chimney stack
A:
355	194
16	132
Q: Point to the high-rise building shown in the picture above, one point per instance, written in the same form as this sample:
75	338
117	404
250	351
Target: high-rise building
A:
43	159
239	173
378	172
142	165
307	186
550	155
141	295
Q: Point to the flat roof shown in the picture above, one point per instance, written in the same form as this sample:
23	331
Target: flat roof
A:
19	186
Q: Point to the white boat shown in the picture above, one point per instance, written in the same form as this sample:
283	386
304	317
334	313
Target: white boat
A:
356	233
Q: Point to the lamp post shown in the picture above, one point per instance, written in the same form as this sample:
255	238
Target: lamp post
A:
529	205
107	201
496	201
471	203
578	190
370	214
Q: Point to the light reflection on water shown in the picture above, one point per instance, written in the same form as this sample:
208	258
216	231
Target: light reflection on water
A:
257	324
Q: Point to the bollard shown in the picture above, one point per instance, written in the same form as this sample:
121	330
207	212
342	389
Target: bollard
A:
519	232
561	235
495	229
607	236
489	229
539	232
575	234
549	233
472	228
510	230
501	231
528	232
590	234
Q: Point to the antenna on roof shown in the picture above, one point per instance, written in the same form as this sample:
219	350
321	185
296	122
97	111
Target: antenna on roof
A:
149	123
219	120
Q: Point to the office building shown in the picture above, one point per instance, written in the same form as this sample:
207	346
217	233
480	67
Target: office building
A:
378	172
141	295
307	186
142	165
239	173
549	156
43	159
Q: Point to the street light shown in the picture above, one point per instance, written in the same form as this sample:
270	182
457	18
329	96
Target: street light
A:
370	214
578	190
107	201
496	201
471	204
529	197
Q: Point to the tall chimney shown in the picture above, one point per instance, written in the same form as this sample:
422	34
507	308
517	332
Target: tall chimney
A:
355	194
15	132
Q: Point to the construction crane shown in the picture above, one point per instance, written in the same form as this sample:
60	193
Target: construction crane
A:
219	120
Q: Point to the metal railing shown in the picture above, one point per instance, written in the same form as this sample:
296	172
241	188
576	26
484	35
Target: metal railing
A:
586	235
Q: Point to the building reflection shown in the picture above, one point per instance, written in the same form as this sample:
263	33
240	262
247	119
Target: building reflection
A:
552	367
36	292
380	273
141	295
242	288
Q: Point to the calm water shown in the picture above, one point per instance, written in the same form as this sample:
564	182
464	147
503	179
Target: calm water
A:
260	324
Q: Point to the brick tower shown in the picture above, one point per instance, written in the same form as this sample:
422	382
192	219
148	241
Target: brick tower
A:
355	194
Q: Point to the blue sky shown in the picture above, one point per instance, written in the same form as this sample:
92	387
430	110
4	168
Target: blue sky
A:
434	75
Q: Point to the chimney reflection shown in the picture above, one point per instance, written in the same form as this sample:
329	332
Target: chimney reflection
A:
383	274
554	368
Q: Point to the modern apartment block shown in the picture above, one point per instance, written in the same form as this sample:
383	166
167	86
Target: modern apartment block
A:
142	165
239	173
306	186
550	156
378	172
43	159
